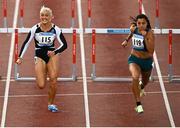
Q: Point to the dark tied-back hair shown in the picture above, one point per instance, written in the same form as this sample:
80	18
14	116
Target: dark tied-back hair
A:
141	16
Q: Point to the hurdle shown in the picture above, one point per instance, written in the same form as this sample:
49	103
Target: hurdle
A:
169	32
21	13
171	77
73	31
95	31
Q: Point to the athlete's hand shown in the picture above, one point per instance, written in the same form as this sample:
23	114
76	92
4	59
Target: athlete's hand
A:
143	32
51	53
19	61
132	27
124	43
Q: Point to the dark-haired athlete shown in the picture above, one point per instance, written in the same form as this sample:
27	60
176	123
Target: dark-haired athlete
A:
141	58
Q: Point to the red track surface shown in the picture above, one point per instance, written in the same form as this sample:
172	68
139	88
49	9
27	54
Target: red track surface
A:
111	104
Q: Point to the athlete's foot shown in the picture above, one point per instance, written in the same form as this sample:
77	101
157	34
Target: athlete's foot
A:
139	109
53	108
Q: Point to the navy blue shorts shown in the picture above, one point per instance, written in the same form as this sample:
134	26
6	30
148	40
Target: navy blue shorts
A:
144	64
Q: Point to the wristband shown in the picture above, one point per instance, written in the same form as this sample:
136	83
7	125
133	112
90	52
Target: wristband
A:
127	40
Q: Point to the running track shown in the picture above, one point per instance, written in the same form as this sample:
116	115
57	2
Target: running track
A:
109	104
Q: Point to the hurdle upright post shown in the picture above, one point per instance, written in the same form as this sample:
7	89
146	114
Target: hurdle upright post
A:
157	15
89	13
140	6
74	55
21	13
72	13
93	74
4	4
170	56
16	54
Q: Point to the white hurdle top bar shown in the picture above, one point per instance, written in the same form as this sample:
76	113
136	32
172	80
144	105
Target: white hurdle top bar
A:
26	30
127	31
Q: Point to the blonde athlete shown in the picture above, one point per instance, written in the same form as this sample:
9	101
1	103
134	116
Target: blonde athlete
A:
46	56
141	58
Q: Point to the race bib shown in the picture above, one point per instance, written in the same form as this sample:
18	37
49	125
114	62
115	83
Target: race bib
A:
137	41
45	38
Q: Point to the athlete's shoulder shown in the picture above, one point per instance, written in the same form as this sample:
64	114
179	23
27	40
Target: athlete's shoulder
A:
57	29
34	27
150	32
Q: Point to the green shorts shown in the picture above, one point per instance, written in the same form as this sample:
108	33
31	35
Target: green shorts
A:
144	64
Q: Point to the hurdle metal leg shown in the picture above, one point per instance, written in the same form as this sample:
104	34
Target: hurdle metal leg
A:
5	22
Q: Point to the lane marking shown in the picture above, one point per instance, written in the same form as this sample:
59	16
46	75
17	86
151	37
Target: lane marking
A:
90	94
4	111
86	103
165	97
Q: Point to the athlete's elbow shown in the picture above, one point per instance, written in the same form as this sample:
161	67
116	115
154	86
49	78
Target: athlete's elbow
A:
65	46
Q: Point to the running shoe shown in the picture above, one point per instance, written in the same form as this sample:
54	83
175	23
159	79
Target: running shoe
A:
142	92
53	108
139	109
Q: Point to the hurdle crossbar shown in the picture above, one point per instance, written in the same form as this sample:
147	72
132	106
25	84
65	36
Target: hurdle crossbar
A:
95	31
25	30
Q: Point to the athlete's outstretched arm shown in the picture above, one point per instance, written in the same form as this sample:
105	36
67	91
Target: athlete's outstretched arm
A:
25	45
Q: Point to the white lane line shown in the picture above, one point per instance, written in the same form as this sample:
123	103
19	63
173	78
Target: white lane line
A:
90	94
4	111
83	64
167	105
168	108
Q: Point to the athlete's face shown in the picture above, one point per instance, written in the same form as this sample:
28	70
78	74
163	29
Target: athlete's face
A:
141	24
45	17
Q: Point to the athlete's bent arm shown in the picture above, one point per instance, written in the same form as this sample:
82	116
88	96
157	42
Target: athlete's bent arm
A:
62	41
149	39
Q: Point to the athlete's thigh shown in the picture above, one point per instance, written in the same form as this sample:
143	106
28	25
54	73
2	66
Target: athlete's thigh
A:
135	70
53	67
40	70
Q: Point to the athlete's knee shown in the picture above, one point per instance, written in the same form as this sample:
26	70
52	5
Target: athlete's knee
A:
53	83
53	80
135	76
41	84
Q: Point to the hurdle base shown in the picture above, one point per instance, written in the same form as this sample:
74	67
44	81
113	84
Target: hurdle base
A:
64	79
111	79
175	80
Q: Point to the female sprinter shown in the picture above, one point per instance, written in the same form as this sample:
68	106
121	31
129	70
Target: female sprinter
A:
46	56
141	58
